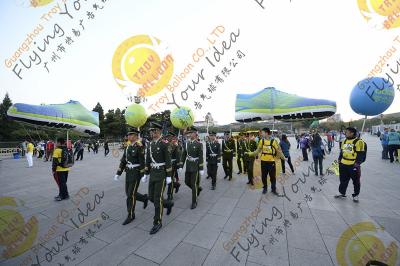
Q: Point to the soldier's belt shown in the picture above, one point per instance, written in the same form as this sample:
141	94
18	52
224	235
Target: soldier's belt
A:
131	166
213	154
228	150
157	165
173	160
192	159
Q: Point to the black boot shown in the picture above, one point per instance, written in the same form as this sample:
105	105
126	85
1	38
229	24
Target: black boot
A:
169	207
155	228
129	219
199	190
194	205
146	201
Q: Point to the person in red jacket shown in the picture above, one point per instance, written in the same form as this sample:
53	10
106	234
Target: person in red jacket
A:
49	150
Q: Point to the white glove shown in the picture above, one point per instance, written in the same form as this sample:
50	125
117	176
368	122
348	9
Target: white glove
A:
144	178
116	177
201	172
180	170
169	180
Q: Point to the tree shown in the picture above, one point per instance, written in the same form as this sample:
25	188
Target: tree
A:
98	108
7	126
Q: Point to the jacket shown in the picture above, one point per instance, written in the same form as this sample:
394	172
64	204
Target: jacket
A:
393	138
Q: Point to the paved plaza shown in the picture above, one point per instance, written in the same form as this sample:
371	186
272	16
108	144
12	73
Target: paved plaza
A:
233	225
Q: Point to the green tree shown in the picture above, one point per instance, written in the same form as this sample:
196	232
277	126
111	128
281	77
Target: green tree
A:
98	108
8	127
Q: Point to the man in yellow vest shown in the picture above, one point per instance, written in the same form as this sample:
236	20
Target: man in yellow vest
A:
352	154
29	153
270	150
59	172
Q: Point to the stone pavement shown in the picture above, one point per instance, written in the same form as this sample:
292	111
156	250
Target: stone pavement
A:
233	225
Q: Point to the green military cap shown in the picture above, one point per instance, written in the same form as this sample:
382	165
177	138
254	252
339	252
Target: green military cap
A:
133	131
155	126
172	134
191	130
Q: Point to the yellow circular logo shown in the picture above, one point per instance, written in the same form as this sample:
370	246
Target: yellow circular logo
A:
33	3
142	66
381	14
16	236
361	243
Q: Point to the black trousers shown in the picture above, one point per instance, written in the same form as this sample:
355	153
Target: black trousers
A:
318	162
250	170
213	168
106	151
239	163
227	165
192	180
172	185
268	168
305	154
131	188
156	195
290	165
80	155
63	189
347	172
393	151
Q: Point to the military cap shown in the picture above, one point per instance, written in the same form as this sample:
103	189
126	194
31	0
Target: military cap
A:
155	126
212	133
191	130
133	131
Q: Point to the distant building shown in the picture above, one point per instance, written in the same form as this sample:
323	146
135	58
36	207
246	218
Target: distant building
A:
380	128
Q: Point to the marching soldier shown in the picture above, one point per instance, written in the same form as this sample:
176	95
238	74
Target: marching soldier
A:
213	155
193	156
175	155
250	145
158	166
228	152
132	162
209	167
240	155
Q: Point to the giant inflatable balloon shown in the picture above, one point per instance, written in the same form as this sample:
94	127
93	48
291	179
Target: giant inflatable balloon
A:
69	116
372	96
182	117
135	115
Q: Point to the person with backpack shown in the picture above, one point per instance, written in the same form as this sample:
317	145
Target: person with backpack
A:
63	159
352	154
393	145
285	146
318	153
304	146
269	149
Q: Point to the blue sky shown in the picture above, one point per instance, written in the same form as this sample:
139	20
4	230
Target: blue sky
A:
313	48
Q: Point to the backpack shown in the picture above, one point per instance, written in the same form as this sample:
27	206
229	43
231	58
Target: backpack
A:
364	153
272	147
67	158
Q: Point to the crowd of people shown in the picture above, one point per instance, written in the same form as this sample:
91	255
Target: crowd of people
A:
159	159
